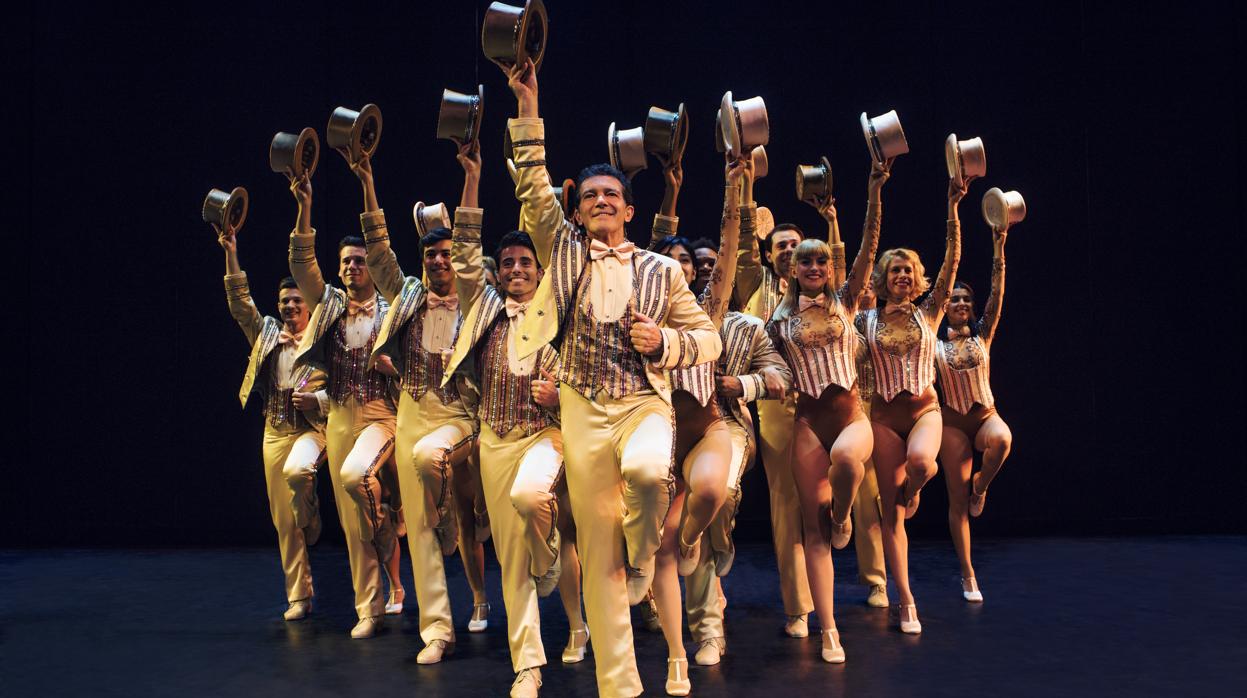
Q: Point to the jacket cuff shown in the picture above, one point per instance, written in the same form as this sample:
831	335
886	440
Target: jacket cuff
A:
236	287
752	387
303	247
322	400
666	226
372	224
468	221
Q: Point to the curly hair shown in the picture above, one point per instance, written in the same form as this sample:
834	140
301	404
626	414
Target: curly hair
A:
879	277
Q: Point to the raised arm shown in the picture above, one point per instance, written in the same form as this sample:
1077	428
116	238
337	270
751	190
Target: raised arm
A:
237	292
748	255
827	209
465	250
666	223
934	305
718	292
859	276
383	266
541	214
991	310
303	266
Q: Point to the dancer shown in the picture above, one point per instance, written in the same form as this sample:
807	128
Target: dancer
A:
813	329
867	509
521	448
703	446
761	281
970	420
295	404
626	316
905	413
359	434
435	428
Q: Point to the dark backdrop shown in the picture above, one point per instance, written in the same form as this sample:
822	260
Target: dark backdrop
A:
1117	364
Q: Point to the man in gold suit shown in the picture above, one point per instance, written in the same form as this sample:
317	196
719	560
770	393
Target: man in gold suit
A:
295	404
622	316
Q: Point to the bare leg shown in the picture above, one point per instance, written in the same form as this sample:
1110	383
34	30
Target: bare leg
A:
569	581
667	581
995	440
471	551
810	465
889	458
707	466
958	460
922	447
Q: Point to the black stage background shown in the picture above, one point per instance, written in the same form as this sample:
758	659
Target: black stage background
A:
1117	365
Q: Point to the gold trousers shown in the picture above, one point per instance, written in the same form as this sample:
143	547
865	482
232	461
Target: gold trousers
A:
701	590
775	422
286	452
519	474
428	433
614	446
359	440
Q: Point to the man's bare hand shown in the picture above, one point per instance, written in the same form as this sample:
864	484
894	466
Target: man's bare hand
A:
646	336
522	79
385	365
730	386
305	402
545	390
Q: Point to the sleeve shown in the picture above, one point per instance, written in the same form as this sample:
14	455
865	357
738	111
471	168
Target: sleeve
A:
991	309
322	401
748	257
865	259
689	336
465	256
933	306
765	359
305	269
541	214
664	227
719	290
382	262
241	307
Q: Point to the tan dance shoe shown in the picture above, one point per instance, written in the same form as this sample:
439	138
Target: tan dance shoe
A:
577	643
690	555
710	650
527	683
970	590
841	533
833	651
548	582
366	628
677	677
878	597
435	651
298	610
480	618
797	626
394	605
977	499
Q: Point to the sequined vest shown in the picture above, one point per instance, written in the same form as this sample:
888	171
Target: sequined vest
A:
963	387
349	375
597	355
423	370
817	363
506	398
914	372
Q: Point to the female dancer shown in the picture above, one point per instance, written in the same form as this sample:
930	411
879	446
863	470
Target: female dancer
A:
970	420
813	329
904	412
703	444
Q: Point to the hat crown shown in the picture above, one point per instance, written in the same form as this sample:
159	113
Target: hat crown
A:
226	209
511	34
459	116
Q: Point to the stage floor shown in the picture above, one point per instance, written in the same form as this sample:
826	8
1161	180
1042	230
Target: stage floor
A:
1106	616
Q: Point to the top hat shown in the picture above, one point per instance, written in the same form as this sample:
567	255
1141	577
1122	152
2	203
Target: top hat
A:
430	217
719	147
357	132
814	182
627	149
764	222
744	124
1002	209
295	155
666	132
459	118
965	159
226	209
511	35
760	164
564	195
884	136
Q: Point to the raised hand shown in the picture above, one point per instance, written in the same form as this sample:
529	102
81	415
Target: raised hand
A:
226	239
522	79
957	193
879	174
469	158
737	169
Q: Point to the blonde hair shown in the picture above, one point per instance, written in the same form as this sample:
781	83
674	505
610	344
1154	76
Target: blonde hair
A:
807	249
879	277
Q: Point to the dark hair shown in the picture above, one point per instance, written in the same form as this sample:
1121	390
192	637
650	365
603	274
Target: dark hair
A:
351	241
516	238
704	243
766	244
942	332
604	170
433	237
664	245
286	283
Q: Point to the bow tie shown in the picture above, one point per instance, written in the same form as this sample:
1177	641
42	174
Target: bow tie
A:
449	302
599	250
514	308
287	338
905	308
367	308
804	302
955	332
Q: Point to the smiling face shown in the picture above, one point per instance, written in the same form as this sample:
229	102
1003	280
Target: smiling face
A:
900	279
681	254
518	272
353	268
812	272
293	311
437	267
704	259
960	307
783	243
601	208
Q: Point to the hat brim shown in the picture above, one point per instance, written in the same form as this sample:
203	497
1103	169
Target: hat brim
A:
727	123
611	149
952	159
871	141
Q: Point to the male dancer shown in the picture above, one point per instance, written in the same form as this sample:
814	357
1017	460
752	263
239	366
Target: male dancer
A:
295	404
520	444
435	427
625	315
360	429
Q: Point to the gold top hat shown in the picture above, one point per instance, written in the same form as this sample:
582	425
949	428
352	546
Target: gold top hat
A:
884	136
761	166
666	133
814	182
627	149
765	222
511	35
226	209
744	124
357	132
295	155
1001	209
430	217
459	118
965	159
